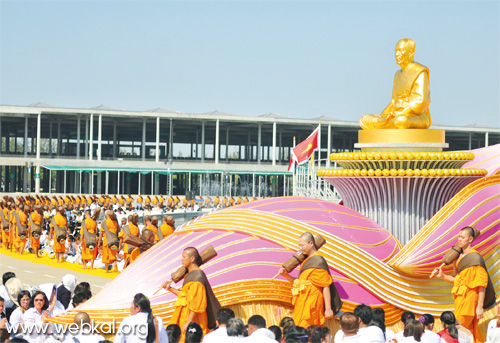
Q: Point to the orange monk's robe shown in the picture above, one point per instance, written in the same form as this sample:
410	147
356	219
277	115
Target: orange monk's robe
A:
37	219
62	222
134	255
466	294
88	254
193	297
308	300
166	230
13	228
21	242
155	230
134	231
6	235
109	255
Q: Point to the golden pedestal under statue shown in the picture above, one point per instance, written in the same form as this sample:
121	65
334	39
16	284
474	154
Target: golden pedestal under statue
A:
401	140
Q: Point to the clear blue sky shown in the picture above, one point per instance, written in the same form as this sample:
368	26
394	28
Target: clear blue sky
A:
298	58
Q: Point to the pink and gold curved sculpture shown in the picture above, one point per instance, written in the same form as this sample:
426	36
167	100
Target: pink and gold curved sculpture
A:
367	263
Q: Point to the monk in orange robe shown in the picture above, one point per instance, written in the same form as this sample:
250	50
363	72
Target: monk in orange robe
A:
168	226
472	287
6	227
21	241
37	219
108	254
62	222
146	235
196	301
312	297
13	228
91	226
130	229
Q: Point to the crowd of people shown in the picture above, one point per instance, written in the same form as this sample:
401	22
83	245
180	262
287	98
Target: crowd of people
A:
23	310
76	228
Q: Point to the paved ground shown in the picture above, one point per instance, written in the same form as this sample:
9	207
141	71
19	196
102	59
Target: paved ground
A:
35	273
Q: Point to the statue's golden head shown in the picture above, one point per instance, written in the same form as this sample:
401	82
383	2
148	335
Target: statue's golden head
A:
405	52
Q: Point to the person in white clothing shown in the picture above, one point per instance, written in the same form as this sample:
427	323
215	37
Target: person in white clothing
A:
349	327
4	293
257	331
16	318
223	316
35	319
141	326
369	333
82	334
494	325
405	317
428	336
50	291
413	331
235	329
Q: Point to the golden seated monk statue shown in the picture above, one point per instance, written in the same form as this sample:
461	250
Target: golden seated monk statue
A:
409	108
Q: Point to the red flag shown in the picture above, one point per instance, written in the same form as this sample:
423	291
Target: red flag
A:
303	151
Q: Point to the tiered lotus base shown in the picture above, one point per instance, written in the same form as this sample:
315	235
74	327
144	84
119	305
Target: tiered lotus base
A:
400	190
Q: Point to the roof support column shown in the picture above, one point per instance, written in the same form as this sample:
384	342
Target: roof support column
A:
37	178
107	182
139	175
59	139
253	185
114	139
25	136
202	141
86	140
486	138
143	143
64	186
280	154
217	142
259	142
118	184
171	141
6	139
50	138
38	134
78	137
99	139
227	144
157	151
329	145
470	141
274	143
91	142
319	146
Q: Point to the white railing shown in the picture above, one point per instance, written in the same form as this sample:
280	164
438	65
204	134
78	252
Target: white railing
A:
307	183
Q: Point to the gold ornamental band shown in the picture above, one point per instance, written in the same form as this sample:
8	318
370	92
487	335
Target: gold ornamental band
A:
401	136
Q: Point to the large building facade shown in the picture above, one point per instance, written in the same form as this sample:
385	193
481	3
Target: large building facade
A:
46	149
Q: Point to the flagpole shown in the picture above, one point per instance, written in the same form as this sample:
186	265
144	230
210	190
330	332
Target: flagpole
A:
294	184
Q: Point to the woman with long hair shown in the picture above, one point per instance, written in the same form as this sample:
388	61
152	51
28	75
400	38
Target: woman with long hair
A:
429	336
141	325
450	332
